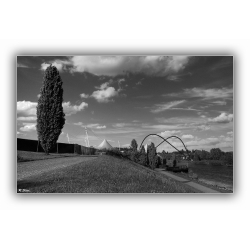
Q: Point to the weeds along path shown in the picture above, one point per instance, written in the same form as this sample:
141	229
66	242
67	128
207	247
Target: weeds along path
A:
33	168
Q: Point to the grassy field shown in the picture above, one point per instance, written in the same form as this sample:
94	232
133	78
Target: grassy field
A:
23	156
105	174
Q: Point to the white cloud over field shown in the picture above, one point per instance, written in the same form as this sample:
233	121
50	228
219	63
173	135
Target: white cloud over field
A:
28	127
73	109
116	65
26	110
105	93
222	118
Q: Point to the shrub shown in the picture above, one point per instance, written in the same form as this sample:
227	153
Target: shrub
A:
114	152
196	156
50	116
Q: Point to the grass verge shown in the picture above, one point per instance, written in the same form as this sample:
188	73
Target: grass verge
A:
105	174
23	156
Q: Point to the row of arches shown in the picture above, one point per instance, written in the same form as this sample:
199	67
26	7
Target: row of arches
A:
166	140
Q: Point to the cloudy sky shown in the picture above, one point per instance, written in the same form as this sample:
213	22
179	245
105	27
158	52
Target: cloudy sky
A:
121	98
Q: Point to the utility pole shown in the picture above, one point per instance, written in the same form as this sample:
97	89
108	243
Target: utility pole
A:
119	145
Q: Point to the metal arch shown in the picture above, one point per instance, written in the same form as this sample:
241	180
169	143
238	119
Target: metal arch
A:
166	141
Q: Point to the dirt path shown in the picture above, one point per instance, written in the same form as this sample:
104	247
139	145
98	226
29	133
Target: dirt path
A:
200	188
32	168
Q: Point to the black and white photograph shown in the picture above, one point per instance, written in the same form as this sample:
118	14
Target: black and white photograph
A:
134	124
125	125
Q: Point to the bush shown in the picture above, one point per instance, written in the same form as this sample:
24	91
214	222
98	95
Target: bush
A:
116	153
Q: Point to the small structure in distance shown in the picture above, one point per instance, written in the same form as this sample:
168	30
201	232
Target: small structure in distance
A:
105	145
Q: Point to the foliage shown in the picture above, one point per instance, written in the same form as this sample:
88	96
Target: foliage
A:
204	155
142	157
215	153
152	156
50	116
116	153
196	156
227	158
134	154
134	145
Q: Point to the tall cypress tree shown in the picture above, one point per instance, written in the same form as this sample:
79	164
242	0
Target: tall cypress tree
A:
50	116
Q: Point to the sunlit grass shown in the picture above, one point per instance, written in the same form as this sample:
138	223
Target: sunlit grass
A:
104	174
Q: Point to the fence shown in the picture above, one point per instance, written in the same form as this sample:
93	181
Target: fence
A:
60	148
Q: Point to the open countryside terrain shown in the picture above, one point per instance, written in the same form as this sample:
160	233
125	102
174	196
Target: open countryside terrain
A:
103	174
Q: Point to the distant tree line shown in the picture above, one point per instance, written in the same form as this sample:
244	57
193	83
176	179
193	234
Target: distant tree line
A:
151	159
214	154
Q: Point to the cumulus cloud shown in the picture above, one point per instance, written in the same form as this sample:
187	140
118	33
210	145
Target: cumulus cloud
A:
205	93
230	133
61	65
73	109
120	81
84	95
101	127
165	106
105	93
187	137
118	65
222	118
78	123
199	143
28	127
26	108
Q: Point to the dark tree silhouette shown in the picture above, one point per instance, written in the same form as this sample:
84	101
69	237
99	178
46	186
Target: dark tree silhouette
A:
142	157
152	156
134	153
134	145
50	116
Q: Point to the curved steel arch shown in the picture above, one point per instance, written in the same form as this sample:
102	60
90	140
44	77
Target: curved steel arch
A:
166	141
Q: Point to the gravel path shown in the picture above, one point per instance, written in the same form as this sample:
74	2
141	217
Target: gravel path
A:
201	188
32	168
